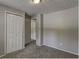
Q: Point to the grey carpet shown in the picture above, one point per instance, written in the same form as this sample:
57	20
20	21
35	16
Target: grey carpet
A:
33	51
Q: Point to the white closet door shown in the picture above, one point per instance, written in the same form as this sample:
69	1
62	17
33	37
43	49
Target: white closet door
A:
14	32
19	32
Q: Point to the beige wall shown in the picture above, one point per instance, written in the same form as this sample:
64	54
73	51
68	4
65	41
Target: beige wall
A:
2	33
39	33
65	19
61	30
27	29
78	27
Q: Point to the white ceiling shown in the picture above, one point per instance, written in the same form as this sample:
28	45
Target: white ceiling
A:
44	7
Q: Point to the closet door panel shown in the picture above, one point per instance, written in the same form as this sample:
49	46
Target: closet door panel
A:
10	33
19	32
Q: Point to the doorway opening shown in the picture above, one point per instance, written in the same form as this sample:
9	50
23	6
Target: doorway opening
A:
33	30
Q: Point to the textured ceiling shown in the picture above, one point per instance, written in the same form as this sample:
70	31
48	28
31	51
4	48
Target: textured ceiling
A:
45	6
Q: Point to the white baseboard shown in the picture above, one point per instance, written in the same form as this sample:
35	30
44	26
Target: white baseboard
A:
64	50
69	51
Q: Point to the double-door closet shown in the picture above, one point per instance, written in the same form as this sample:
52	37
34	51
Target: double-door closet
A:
11	31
